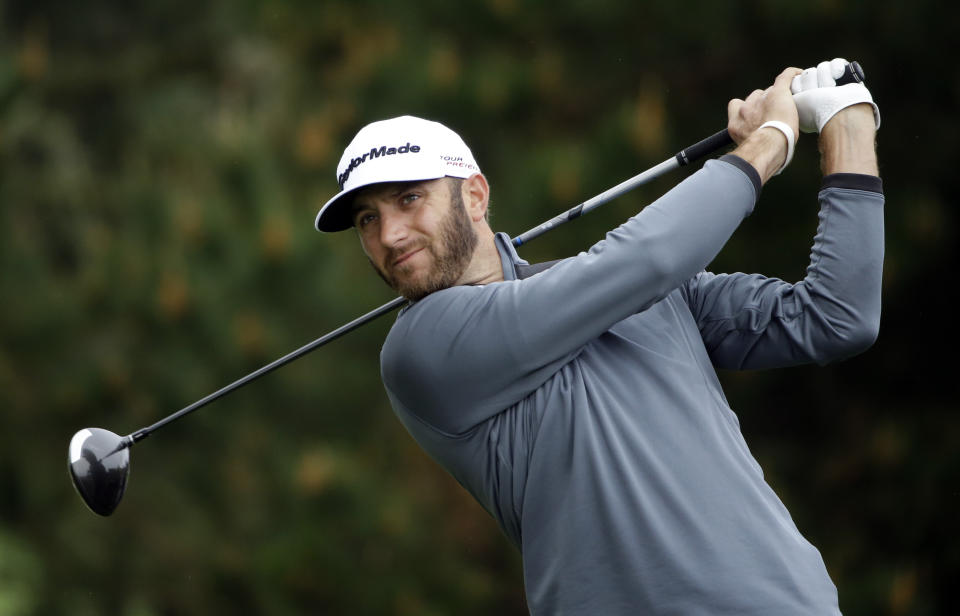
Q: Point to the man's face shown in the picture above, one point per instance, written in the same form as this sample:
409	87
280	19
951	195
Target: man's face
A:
417	235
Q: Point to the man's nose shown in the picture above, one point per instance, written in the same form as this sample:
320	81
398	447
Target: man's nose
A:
393	228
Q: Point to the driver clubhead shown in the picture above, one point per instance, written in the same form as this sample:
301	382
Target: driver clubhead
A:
98	470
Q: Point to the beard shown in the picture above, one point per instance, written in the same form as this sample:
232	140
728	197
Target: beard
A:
451	254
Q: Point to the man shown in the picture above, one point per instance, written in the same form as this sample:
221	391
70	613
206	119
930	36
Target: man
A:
580	405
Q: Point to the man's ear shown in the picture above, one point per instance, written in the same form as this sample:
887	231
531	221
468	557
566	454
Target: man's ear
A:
476	196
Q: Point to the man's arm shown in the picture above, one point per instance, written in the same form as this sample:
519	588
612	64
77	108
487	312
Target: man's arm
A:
750	321
464	354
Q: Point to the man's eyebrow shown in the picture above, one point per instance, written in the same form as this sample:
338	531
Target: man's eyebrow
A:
402	186
395	189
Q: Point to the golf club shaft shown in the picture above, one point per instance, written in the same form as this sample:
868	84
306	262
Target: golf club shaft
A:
686	156
689	155
286	359
852	73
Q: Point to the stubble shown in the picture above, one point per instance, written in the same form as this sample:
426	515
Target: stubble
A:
452	252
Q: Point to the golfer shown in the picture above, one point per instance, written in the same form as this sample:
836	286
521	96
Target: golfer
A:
579	404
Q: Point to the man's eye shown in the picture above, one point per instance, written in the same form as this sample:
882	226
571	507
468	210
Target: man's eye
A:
409	198
364	219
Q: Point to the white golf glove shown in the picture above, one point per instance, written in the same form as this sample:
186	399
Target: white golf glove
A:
819	98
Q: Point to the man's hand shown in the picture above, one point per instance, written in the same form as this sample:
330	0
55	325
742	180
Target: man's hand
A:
845	116
765	149
819	98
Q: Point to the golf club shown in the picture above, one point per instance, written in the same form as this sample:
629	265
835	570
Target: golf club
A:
99	460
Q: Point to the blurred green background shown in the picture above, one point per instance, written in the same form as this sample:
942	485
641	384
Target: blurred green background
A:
161	163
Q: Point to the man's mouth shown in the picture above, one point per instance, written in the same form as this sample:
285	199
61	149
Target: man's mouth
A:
404	257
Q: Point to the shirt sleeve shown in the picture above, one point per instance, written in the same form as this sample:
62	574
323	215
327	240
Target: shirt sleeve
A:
463	354
751	321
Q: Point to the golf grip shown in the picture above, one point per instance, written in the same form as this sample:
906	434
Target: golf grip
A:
853	73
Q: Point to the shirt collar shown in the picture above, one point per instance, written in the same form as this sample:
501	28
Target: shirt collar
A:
509	258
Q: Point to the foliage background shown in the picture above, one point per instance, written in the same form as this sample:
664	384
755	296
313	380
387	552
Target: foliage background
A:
160	166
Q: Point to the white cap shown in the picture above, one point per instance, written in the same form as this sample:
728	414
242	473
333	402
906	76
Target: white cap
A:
397	150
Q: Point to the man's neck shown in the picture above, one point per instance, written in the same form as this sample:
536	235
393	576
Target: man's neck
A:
485	267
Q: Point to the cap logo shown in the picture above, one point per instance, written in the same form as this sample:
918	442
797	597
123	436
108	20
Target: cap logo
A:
374	152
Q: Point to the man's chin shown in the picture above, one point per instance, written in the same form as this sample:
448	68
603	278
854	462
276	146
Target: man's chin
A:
401	284
413	292
416	288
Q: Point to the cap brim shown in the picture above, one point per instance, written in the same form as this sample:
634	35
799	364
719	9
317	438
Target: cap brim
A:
335	214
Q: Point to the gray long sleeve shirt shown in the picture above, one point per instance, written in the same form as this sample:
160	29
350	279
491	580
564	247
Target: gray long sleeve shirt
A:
581	406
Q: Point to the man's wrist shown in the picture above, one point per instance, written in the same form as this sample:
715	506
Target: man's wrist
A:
847	142
766	150
788	134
